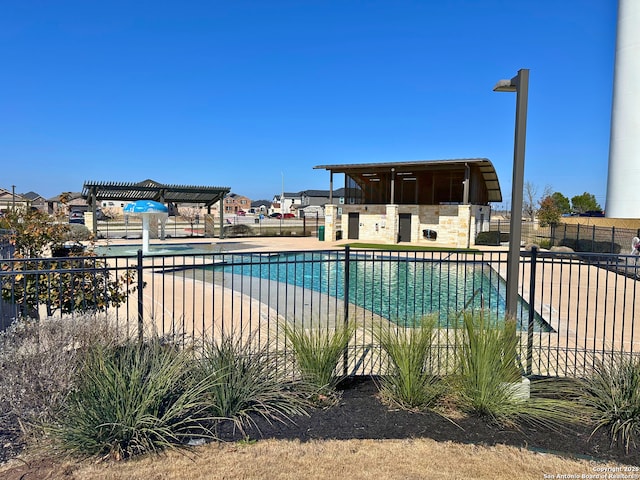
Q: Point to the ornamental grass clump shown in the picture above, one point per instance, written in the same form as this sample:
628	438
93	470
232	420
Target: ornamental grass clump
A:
488	378
318	352
612	392
134	398
410	381
247	383
486	363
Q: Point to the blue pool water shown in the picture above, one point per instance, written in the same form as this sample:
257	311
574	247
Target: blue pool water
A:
401	290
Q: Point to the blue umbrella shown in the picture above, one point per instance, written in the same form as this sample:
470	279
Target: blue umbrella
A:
147	209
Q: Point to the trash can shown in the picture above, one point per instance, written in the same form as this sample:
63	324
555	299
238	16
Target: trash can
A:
321	233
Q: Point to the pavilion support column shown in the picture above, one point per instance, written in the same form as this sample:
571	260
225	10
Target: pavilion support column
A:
393	185
92	202
330	222
221	232
467	177
463	238
331	186
390	233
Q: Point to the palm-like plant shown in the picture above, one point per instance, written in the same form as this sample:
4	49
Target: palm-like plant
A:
488	371
318	352
486	362
247	383
131	399
613	393
410	381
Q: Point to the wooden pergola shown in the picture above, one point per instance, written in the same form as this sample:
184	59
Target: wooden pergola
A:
94	192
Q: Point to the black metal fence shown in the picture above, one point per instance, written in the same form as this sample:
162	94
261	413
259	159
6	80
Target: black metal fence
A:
574	309
580	238
594	239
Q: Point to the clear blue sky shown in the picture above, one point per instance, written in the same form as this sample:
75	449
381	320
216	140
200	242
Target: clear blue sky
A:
245	93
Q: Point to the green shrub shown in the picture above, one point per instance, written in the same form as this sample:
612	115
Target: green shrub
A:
238	230
132	399
410	381
77	233
246	382
588	245
613	393
317	353
545	243
488	238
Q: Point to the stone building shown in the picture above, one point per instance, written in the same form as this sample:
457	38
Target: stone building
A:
437	201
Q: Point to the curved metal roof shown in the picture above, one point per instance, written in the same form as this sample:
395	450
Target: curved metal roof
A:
483	164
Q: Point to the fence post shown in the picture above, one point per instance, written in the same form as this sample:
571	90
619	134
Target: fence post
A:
593	239
345	359
532	298
577	245
613	239
140	298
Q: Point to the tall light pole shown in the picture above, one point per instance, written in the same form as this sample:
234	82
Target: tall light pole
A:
282	195
13	198
520	85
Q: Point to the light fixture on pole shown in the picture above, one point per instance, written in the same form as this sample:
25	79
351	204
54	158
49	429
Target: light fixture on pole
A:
520	85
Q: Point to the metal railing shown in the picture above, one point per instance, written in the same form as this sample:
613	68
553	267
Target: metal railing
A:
581	238
574	308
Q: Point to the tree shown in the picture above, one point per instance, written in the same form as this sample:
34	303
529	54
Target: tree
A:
60	284
529	201
32	232
191	215
562	202
584	203
548	213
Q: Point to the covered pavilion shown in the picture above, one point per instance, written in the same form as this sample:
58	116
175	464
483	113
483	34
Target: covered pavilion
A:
416	201
95	192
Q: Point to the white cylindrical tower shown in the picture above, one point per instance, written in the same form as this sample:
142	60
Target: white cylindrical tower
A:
623	184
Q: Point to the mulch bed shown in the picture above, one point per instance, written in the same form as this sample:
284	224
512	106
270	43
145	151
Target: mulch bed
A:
359	414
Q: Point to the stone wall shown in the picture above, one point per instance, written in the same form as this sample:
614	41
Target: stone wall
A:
453	225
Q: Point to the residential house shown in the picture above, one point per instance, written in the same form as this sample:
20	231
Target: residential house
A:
309	201
36	201
66	202
10	200
233	203
260	207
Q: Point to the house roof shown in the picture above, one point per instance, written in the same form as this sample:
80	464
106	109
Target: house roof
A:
32	196
69	196
7	193
321	193
483	164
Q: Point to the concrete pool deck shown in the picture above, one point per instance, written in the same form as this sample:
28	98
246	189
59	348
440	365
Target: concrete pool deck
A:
591	309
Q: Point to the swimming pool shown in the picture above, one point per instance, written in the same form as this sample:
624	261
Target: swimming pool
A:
400	289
